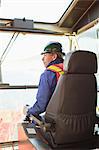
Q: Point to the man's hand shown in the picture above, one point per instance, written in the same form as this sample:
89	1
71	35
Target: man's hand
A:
25	109
27	119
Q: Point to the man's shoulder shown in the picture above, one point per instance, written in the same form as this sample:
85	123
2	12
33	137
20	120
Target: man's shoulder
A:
47	73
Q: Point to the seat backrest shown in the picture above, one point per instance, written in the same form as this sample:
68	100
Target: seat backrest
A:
72	108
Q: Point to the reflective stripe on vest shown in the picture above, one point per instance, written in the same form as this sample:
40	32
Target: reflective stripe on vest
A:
57	68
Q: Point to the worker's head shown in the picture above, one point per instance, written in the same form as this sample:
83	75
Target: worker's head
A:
51	52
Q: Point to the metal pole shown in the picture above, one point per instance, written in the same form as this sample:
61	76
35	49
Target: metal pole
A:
0	73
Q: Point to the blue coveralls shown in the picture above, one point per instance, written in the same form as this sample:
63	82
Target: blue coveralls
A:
46	88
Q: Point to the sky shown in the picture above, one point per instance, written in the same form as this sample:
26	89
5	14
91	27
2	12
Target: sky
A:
37	10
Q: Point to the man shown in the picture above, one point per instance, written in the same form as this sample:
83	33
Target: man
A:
53	62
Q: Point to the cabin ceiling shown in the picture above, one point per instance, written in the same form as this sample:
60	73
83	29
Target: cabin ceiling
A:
80	14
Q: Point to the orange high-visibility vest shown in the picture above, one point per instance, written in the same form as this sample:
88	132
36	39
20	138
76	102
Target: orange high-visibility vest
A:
57	68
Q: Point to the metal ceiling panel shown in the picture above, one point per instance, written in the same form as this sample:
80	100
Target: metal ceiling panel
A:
80	13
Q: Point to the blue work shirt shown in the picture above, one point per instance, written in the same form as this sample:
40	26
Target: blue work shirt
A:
46	88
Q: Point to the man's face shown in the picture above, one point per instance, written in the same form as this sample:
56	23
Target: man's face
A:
48	57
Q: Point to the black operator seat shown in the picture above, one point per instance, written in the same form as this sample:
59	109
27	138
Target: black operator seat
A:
71	111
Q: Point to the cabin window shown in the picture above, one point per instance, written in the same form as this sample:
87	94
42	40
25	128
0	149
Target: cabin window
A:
21	63
89	40
36	10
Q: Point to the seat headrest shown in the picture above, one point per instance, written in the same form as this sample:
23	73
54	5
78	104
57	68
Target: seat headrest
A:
80	62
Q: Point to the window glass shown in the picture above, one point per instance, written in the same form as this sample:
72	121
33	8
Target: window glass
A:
36	10
22	61
89	40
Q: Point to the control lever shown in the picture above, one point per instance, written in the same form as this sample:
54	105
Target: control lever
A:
42	125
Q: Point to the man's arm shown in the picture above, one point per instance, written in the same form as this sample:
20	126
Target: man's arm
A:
46	88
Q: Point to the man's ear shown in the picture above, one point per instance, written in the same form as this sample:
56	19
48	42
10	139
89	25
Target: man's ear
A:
54	56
